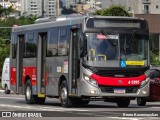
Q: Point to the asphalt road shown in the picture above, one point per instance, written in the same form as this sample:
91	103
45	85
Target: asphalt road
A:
95	110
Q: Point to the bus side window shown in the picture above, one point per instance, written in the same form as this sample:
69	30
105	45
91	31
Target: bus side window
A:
14	45
63	42
30	45
52	43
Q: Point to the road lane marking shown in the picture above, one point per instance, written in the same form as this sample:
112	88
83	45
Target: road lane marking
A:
11	98
41	108
155	107
125	118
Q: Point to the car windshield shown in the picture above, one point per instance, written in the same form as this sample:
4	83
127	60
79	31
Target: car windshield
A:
109	50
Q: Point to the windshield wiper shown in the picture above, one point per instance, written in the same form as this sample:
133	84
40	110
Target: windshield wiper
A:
131	39
103	32
126	44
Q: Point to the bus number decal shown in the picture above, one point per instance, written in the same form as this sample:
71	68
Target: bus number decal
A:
134	82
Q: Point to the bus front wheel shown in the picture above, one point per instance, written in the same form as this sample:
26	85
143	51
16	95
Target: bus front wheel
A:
141	101
123	102
64	99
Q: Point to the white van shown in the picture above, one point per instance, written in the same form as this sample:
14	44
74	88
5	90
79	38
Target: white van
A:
6	76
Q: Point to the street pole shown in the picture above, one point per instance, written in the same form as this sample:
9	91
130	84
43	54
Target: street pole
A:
43	8
159	46
57	8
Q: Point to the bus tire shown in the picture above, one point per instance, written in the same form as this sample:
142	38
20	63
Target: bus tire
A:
84	102
141	101
39	100
64	99
28	93
123	102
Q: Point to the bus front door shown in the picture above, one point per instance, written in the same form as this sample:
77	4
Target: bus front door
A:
19	63
41	64
74	62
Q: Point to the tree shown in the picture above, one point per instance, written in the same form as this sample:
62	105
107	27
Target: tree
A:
8	11
61	4
112	11
4	52
67	11
6	32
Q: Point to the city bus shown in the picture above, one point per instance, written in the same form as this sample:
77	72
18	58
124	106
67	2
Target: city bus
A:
80	59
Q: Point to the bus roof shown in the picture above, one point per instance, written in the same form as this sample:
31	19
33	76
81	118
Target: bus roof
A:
63	21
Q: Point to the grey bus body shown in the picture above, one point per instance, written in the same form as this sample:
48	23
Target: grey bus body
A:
52	55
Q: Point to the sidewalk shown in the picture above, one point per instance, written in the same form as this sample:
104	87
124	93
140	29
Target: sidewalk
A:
1	91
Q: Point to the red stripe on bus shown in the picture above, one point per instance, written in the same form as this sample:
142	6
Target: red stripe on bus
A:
27	71
110	81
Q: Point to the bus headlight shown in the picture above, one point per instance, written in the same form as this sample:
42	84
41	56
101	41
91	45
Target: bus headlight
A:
90	80
144	82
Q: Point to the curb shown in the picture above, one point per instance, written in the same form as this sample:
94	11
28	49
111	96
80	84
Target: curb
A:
2	91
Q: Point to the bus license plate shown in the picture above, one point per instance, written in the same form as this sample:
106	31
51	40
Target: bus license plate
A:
119	90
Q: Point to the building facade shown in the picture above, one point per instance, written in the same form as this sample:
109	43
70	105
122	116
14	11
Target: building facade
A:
135	6
45	8
69	3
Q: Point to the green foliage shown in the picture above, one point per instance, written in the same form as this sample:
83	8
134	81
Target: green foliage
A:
154	59
112	11
9	22
4	12
0	85
60	4
67	11
6	32
4	52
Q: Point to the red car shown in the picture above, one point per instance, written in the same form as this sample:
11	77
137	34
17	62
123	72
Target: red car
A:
154	87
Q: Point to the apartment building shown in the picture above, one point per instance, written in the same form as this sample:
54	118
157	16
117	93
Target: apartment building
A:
16	4
68	3
136	6
46	8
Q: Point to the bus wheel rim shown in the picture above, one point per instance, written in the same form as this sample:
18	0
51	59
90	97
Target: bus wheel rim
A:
28	93
64	95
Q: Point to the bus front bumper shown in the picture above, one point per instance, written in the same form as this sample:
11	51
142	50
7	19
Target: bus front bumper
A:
87	89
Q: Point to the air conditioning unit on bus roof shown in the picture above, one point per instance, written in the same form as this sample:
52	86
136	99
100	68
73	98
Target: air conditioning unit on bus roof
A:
60	18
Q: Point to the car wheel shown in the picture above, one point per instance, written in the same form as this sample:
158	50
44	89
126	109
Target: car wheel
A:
141	101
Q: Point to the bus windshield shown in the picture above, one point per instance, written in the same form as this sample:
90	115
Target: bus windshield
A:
109	50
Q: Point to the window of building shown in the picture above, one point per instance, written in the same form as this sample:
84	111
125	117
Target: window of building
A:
129	8
63	46
52	43
146	9
30	48
157	6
